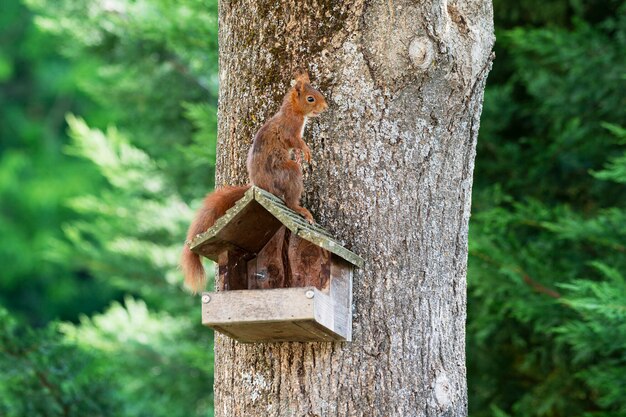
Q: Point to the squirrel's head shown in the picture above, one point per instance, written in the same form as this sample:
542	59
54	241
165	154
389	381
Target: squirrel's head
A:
305	98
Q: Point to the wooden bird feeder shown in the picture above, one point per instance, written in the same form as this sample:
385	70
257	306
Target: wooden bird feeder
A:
280	278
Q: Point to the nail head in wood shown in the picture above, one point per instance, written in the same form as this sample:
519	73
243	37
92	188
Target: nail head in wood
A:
309	294
205	299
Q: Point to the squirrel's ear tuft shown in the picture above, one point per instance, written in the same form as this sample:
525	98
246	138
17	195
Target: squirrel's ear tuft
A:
298	86
302	76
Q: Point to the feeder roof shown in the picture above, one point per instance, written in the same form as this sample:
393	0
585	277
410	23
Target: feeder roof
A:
252	222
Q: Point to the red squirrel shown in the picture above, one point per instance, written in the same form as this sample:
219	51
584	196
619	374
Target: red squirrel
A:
269	166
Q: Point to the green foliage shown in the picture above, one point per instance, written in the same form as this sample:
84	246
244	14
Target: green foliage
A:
546	334
37	88
160	365
130	232
156	74
551	132
146	76
43	375
616	167
598	337
128	361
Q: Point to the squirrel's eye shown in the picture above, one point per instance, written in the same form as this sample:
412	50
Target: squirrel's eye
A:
310	99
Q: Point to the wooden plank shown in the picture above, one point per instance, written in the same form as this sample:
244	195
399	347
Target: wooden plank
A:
332	246
289	261
251	228
222	221
313	233
232	270
253	221
248	228
286	304
295	220
267	270
284	314
308	264
341	294
300	331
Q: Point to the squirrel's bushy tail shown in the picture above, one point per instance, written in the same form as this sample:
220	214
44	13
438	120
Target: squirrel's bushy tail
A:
213	207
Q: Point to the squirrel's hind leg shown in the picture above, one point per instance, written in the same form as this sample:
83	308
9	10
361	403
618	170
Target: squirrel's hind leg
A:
292	188
304	213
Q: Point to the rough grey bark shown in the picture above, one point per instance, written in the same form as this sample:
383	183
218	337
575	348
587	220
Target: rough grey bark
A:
392	177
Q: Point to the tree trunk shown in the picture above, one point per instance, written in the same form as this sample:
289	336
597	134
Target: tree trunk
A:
391	177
